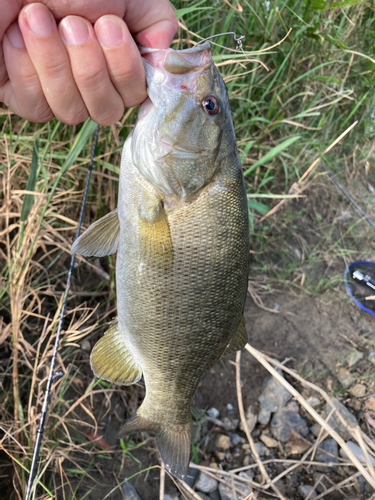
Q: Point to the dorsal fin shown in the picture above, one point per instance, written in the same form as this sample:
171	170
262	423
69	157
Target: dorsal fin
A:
100	239
111	360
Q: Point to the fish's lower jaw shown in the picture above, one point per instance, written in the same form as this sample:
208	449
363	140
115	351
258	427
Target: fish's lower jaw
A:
173	441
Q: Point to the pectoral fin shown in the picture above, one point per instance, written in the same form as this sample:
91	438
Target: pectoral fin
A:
156	241
111	360
238	341
101	238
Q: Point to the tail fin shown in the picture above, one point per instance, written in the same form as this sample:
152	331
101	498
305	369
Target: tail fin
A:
174	442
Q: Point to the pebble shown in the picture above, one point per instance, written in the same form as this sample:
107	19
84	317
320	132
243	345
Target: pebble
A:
262	450
320	488
205	483
173	496
305	489
230	408
230	424
86	345
220	455
313	401
130	493
358	391
226	492
213	413
274	395
203	496
371	356
286	419
215	495
296	446
354	357
235	439
264	417
315	429
331	447
335	422
269	441
223	442
345	378
356	450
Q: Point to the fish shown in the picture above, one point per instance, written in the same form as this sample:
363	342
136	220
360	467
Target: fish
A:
181	233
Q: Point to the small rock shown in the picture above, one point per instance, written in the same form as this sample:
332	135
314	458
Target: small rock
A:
205	483
313	401
230	424
230	408
86	345
335	422
191	476
297	445
220	455
249	474
358	391
203	496
262	450
269	441
330	446
246	461
356	450
371	357
320	488
213	413
215	495
223	442
226	492
172	496
354	357
370	403
305	489
345	378
264	417
315	430
287	419
274	395
130	492
235	439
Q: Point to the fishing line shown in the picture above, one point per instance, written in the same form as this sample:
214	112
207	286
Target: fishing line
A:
51	375
238	39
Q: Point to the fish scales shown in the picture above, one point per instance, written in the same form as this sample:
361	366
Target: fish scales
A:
181	235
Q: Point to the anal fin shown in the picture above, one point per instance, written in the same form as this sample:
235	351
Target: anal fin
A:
100	239
110	359
238	341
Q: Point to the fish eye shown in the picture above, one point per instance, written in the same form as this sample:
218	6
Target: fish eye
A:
210	105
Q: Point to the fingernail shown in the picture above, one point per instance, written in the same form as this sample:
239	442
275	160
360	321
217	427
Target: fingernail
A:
109	32
74	30
15	36
39	19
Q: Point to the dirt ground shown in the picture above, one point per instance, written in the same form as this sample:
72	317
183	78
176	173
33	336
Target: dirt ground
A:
312	335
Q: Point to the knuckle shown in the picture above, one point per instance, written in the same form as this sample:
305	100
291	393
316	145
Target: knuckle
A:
108	118
90	77
56	67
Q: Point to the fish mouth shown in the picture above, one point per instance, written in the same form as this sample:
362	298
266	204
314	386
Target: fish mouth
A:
178	62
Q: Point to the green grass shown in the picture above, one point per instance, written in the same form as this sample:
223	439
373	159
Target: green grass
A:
289	103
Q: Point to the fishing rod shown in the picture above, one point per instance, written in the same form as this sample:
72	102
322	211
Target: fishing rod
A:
53	375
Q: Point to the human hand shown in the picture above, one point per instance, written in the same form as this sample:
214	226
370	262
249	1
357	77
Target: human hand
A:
88	65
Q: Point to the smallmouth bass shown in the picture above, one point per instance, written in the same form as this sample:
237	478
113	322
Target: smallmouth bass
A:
181	233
